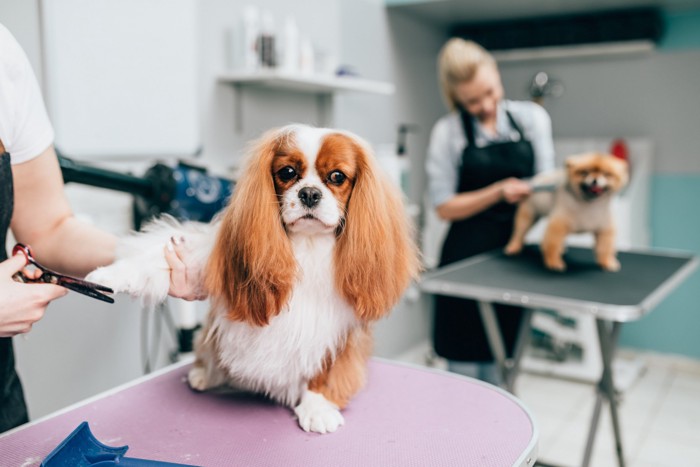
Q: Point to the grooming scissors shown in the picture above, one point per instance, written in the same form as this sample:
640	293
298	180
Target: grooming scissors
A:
51	277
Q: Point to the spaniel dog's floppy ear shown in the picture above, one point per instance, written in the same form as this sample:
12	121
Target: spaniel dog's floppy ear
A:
376	255
252	266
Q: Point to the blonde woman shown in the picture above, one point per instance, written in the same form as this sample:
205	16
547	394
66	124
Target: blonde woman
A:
479	156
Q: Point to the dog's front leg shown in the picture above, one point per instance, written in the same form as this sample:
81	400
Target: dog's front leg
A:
141	269
205	372
553	243
524	218
605	249
332	388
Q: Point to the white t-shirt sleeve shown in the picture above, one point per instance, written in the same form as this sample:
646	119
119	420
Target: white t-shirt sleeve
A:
25	128
542	142
442	163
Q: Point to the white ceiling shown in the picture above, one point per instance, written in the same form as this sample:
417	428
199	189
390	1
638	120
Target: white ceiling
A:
446	13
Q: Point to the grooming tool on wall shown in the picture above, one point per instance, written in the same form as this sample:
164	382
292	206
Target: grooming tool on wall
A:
186	192
48	276
543	86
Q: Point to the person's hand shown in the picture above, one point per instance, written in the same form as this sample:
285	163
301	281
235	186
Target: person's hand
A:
514	190
22	305
185	274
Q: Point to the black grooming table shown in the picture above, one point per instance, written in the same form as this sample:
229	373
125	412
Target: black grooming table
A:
645	279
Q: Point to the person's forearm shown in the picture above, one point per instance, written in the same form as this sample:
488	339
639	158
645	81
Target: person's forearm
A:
43	219
468	204
75	247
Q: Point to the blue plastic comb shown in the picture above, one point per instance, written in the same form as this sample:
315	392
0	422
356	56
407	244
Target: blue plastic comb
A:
82	449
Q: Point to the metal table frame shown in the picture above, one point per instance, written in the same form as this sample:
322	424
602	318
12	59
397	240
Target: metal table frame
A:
609	319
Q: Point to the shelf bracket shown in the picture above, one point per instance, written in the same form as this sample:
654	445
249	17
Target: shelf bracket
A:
324	109
238	108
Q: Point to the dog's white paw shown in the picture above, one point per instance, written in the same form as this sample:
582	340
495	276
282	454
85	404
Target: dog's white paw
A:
109	276
610	264
197	378
317	414
513	248
145	281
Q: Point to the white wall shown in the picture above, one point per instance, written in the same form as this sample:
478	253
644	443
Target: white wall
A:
653	95
22	19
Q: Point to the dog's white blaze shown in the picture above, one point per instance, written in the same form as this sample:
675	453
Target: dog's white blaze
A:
278	359
309	140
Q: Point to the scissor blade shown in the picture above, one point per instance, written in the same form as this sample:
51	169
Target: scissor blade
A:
87	291
60	279
95	286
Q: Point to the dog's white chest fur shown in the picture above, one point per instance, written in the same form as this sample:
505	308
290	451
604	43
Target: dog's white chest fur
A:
278	359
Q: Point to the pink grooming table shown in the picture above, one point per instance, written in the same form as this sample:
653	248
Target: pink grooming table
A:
404	416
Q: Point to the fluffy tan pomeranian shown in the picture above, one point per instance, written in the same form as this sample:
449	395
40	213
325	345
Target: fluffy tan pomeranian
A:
579	202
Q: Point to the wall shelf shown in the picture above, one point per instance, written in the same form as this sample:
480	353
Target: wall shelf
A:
321	86
317	84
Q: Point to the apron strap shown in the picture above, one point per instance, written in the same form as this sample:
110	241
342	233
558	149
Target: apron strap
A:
468	125
515	125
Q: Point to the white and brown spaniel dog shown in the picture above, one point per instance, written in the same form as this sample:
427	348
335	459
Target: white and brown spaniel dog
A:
314	246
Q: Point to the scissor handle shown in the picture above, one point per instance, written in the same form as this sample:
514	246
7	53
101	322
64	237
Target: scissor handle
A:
51	277
26	250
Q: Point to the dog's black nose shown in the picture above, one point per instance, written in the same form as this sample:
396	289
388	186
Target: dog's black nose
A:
310	196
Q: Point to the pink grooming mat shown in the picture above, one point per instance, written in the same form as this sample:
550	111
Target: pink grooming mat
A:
405	416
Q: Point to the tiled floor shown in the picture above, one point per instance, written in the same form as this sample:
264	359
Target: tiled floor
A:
659	416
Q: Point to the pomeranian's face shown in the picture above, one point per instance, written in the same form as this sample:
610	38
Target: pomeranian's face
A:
592	175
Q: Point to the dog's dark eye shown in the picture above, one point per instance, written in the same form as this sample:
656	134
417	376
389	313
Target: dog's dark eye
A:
336	177
286	173
582	173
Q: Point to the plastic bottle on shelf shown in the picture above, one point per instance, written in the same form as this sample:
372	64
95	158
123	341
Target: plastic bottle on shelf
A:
266	42
306	56
290	46
243	41
249	36
404	173
389	161
404	160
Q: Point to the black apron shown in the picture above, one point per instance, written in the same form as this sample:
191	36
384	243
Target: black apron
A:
458	332
13	410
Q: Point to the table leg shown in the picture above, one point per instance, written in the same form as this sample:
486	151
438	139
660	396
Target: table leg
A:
493	335
521	344
508	368
593	428
606	391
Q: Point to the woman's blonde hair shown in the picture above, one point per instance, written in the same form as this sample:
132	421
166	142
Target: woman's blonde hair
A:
458	62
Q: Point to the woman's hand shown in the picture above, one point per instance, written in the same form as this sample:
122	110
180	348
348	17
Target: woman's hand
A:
22	305
185	275
514	190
